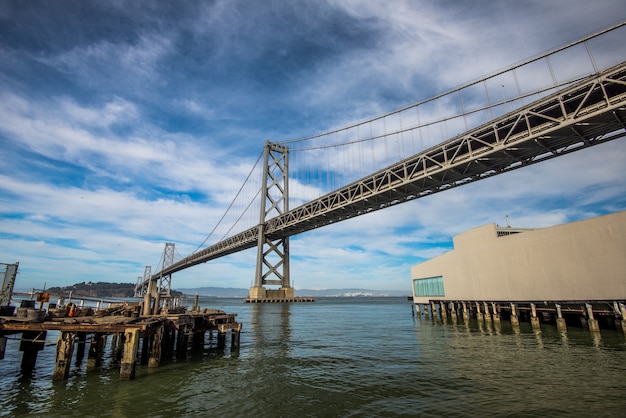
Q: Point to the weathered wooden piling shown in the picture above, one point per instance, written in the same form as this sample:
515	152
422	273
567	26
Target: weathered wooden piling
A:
155	352
31	344
65	348
3	347
235	337
96	349
129	358
81	338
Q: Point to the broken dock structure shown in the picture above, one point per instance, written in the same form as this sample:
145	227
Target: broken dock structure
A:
151	337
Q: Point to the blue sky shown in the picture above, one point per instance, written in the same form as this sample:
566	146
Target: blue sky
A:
126	124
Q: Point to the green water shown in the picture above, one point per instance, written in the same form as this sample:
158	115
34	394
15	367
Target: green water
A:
343	357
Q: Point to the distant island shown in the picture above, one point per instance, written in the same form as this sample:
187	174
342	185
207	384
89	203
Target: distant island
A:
127	290
99	290
230	292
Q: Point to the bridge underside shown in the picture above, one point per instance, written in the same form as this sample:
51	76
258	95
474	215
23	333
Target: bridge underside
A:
590	112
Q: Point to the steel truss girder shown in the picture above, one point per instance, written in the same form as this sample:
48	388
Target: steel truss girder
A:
587	113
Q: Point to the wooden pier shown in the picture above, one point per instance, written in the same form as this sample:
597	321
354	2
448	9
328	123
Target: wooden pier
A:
172	331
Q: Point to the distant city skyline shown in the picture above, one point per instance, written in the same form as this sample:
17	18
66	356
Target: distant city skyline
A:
125	125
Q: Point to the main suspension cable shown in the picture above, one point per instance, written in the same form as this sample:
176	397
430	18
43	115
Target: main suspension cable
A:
231	204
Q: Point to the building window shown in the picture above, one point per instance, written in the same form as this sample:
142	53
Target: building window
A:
431	286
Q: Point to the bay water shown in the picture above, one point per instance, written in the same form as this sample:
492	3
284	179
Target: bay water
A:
342	357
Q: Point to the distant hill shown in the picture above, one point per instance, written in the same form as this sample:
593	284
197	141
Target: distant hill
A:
231	292
99	290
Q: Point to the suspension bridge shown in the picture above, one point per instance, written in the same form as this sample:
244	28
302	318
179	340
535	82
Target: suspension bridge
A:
566	100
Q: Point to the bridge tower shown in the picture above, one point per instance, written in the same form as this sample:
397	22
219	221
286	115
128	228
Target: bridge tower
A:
165	281
272	265
141	288
151	289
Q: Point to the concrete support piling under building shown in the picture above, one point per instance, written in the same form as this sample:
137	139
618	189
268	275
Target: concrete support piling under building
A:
622	317
453	313
593	315
465	313
479	315
534	320
560	321
592	323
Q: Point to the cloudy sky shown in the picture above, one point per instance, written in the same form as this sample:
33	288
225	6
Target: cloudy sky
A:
126	124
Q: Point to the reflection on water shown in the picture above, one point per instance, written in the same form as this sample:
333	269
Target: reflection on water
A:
344	357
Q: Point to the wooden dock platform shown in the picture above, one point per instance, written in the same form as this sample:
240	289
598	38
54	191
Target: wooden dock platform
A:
171	331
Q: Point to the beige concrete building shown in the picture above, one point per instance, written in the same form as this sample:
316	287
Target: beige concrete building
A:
579	261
